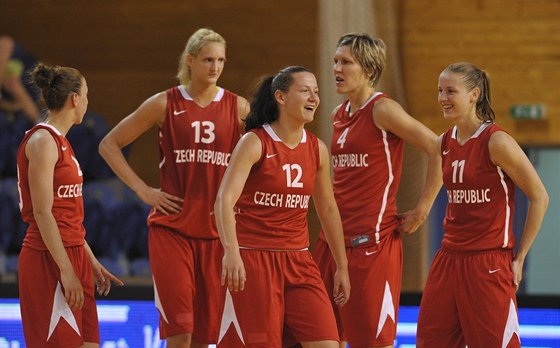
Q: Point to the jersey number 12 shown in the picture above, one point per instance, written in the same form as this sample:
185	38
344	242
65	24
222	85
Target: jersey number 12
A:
288	169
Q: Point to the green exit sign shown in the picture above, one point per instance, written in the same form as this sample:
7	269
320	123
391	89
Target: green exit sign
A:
528	112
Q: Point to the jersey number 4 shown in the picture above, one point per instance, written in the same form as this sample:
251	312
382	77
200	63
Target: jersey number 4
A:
342	138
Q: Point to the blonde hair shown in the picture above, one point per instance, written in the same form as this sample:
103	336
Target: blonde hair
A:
368	51
195	43
474	77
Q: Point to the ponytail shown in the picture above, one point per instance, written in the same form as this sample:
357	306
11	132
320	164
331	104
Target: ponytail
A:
264	108
474	77
484	103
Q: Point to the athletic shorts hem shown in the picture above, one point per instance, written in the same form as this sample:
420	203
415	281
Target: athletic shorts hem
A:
315	339
174	333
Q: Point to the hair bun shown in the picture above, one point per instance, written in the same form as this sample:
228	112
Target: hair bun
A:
43	75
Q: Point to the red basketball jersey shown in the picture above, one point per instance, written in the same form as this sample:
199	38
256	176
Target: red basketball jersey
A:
68	206
367	165
480	195
195	146
272	210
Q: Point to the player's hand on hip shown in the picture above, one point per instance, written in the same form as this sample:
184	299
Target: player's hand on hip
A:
410	221
517	268
162	201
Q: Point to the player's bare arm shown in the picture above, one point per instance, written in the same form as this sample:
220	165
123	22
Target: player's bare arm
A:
42	153
149	114
390	116
327	211
506	154
247	152
243	109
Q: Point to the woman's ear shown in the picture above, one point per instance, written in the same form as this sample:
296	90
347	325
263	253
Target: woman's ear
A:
475	94
75	98
279	97
370	75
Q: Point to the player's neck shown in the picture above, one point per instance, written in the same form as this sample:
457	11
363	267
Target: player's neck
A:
290	134
59	121
465	130
359	97
203	95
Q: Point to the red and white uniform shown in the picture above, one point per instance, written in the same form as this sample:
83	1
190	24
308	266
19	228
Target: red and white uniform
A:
480	195
195	145
469	296
272	209
283	283
367	165
68	205
47	319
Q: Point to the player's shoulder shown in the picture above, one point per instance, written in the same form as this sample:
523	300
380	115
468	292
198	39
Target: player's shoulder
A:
252	137
243	107
385	105
500	140
157	100
41	137
41	143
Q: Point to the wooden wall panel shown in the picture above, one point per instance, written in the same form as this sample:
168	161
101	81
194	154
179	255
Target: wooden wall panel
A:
129	50
516	41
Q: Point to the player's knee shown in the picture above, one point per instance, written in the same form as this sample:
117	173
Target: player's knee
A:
198	345
179	341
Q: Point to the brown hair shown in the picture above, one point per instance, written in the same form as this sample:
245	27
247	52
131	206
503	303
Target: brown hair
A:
56	83
264	108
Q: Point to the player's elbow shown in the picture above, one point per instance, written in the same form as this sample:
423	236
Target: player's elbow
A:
540	199
545	199
103	147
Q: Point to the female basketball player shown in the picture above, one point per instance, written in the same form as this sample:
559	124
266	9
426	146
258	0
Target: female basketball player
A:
469	297
199	125
57	269
261	208
369	131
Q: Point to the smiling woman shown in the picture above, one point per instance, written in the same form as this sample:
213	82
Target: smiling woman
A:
274	170
481	166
